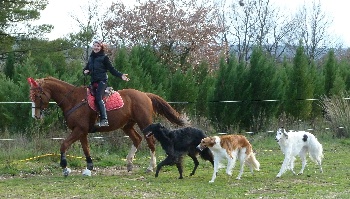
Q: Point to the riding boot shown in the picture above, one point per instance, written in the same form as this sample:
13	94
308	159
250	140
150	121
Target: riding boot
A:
103	114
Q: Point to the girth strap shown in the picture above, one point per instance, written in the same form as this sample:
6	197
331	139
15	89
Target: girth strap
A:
84	101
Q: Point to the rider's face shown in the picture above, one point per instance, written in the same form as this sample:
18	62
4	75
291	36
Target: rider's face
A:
96	47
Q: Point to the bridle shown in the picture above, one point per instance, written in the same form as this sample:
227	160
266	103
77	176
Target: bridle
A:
38	94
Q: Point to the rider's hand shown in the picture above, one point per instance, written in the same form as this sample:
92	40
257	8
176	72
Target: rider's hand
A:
86	72
125	77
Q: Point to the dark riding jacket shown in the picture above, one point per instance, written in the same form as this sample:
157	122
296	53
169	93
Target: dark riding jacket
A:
98	65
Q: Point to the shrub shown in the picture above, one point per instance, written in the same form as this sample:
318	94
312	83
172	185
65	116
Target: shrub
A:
337	112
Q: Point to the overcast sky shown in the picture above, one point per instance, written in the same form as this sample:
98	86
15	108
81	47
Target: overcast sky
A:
59	12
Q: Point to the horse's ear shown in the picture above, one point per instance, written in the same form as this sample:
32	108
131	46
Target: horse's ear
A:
32	82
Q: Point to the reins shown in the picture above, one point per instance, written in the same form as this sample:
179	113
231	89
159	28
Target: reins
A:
74	107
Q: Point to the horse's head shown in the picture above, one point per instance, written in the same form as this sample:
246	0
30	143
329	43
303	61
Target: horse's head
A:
39	97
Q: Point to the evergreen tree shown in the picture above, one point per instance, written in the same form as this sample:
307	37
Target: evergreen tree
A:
338	85
183	88
344	71
10	65
317	79
227	98
329	72
205	84
265	85
283	70
300	87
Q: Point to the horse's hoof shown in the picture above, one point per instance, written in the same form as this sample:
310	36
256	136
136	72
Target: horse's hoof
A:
86	172
66	171
129	167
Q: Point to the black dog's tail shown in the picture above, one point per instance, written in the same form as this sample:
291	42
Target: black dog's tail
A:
206	154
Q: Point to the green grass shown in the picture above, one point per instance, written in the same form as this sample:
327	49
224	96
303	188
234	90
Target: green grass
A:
42	177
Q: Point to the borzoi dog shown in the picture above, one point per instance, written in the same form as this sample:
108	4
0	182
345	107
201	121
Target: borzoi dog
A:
230	147
177	143
293	143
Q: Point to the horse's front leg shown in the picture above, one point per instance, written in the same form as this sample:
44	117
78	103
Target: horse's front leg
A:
73	137
85	145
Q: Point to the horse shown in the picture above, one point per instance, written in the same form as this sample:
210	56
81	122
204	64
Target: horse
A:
139	108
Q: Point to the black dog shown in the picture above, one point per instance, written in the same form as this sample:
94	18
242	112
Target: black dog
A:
177	143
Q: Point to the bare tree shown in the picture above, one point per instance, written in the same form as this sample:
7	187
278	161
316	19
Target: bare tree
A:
258	23
313	31
90	24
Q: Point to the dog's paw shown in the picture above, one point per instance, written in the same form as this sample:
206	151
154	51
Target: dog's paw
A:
300	173
238	178
278	176
211	181
229	173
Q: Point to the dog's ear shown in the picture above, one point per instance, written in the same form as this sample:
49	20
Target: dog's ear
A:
285	133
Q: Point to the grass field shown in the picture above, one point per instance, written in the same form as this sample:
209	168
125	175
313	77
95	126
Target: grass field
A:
42	177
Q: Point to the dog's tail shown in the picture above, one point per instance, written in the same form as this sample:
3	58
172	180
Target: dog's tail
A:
315	149
252	161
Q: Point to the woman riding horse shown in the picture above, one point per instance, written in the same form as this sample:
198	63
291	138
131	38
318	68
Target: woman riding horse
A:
97	67
138	108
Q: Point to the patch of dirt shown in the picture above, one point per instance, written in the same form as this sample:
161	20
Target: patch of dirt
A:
105	171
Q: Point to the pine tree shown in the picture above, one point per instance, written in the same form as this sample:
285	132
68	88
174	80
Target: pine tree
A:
329	73
265	85
300	88
227	98
10	65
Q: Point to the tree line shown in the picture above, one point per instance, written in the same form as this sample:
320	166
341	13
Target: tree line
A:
239	94
221	64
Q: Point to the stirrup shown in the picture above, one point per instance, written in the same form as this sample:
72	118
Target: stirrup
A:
104	122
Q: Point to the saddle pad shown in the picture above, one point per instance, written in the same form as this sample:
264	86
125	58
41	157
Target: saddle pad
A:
112	102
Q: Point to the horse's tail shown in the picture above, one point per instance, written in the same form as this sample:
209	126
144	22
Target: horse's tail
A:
162	107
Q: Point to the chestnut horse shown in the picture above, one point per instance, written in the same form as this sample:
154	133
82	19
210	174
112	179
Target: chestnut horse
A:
139	108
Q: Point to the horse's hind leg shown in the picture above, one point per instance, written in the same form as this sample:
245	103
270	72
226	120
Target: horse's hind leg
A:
151	145
136	140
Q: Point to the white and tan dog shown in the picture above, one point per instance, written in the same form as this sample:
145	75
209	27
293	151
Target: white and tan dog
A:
300	143
230	147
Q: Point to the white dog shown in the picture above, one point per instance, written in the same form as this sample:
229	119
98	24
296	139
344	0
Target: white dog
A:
230	147
300	143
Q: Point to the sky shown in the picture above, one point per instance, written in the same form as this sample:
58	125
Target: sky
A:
59	13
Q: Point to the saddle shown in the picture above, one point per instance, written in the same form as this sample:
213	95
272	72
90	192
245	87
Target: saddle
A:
111	98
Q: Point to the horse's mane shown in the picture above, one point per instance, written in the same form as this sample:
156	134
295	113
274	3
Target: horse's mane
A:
50	78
